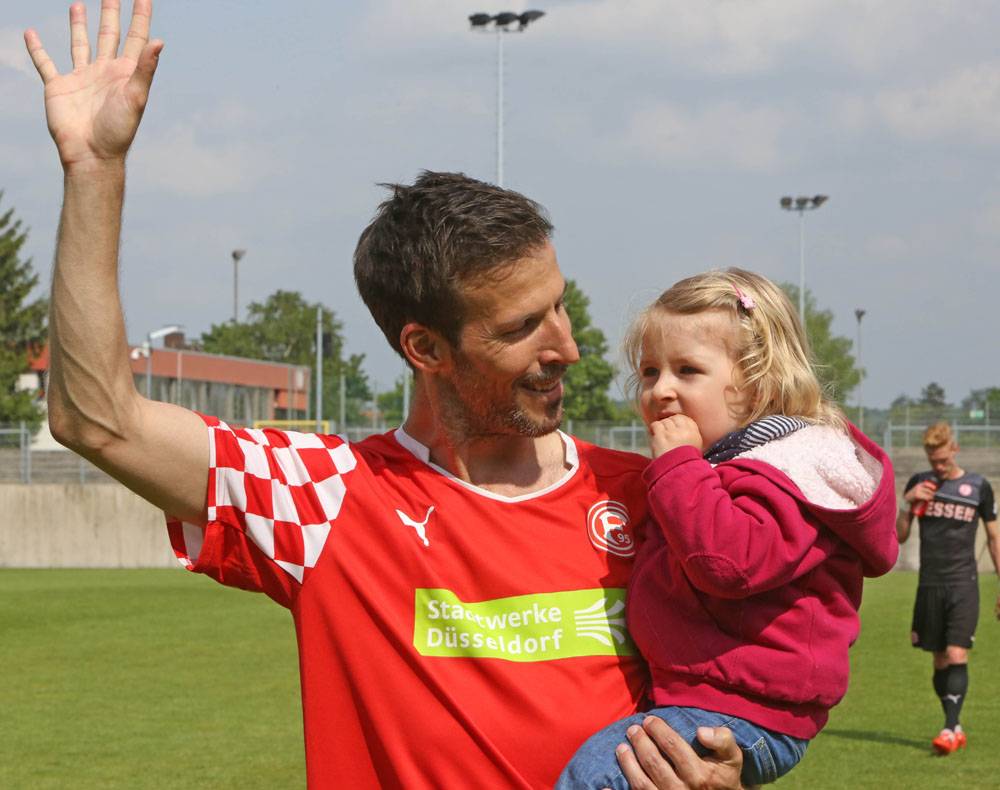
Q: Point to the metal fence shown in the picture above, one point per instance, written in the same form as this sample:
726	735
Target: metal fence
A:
22	461
966	435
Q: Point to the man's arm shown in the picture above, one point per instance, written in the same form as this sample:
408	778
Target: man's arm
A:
921	492
661	760
903	523
158	450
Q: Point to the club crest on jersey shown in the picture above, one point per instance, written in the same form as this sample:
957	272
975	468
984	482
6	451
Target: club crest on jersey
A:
608	528
964	490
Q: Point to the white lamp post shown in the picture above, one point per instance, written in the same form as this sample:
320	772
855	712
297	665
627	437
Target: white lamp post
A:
147	351
237	256
859	314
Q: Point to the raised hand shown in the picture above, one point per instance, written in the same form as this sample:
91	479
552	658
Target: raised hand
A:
94	110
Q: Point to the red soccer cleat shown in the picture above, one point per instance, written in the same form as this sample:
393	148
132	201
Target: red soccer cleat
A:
946	742
960	739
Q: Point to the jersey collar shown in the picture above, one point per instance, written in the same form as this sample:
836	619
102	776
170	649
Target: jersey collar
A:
423	454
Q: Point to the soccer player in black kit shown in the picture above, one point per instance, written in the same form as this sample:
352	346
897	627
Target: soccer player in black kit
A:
949	503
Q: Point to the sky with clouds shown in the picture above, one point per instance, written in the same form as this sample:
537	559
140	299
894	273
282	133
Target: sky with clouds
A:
659	134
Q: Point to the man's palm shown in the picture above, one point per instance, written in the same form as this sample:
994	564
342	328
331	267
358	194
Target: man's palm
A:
94	110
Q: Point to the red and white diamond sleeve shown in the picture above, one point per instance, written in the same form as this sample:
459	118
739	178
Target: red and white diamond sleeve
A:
272	498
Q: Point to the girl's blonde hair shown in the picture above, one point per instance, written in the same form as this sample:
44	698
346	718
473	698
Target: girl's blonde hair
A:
773	360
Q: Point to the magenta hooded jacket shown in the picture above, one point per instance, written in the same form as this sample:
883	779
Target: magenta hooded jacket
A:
744	596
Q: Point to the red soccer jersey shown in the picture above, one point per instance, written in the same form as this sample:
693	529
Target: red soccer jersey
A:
448	637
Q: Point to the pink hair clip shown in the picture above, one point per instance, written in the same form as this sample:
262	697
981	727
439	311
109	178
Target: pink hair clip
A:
747	301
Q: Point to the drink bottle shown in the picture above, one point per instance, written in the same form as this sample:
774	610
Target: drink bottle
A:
920	507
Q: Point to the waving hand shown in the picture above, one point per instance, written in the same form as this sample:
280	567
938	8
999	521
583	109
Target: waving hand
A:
94	110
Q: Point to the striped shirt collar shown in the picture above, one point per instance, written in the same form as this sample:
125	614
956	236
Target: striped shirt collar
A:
764	430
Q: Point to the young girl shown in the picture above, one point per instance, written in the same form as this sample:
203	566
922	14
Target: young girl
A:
767	510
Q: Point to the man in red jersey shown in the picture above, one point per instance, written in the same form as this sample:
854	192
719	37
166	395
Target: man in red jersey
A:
457	584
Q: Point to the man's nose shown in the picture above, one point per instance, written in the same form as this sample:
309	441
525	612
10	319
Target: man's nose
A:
560	347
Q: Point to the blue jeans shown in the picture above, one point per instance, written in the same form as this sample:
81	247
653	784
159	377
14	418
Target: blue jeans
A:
766	754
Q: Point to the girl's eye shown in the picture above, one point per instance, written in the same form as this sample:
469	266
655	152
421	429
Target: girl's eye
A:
688	370
650	373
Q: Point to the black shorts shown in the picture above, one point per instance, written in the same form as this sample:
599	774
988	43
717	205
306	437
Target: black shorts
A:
945	615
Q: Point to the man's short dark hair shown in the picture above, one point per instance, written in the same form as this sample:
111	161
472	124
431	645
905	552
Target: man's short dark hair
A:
428	239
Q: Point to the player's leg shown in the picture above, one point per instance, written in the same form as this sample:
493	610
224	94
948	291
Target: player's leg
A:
960	633
928	632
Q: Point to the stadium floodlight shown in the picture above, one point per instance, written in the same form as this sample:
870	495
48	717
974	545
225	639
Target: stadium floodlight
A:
237	255
802	204
528	17
505	18
147	351
502	24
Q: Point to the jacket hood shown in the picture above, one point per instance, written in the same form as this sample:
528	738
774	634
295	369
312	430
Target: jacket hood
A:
845	481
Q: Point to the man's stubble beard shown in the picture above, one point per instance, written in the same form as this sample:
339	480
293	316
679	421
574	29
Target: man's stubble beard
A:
468	415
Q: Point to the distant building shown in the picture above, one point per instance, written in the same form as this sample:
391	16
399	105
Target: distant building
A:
235	389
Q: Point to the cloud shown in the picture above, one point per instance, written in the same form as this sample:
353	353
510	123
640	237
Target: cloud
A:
718	136
965	103
13	54
987	220
711	36
886	247
179	161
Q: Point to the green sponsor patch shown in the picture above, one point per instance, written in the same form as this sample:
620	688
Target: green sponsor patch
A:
538	627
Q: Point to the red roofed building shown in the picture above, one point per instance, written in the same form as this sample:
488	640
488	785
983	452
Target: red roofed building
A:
235	389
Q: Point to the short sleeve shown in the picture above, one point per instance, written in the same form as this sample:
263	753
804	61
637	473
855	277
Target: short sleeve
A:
272	499
987	502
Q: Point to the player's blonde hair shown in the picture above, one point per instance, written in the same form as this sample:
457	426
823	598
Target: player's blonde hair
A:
937	436
771	353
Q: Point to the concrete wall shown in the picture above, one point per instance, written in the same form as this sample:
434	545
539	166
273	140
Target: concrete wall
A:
107	526
80	526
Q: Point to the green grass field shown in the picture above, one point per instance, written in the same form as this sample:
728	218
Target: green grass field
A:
158	679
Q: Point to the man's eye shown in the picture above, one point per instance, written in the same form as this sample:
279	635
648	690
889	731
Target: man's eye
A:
526	326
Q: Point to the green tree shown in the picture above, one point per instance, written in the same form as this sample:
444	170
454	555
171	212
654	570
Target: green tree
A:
390	404
833	361
933	396
283	329
23	327
986	399
588	380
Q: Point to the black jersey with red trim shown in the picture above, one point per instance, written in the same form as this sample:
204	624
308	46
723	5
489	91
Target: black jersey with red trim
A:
948	527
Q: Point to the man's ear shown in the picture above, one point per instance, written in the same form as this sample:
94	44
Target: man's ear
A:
426	349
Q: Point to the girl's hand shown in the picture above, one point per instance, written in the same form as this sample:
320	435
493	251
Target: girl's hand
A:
672	432
94	110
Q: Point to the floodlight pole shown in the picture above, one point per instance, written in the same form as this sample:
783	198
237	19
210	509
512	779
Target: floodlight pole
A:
802	205
501	25
500	32
859	314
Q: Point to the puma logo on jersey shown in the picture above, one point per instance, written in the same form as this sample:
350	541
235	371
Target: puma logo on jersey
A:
419	526
953	697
